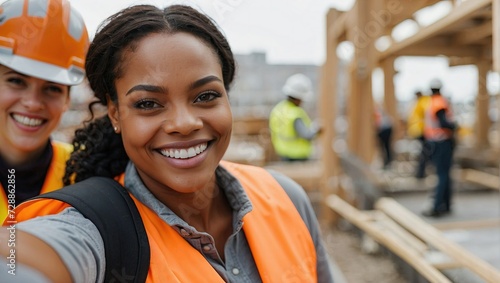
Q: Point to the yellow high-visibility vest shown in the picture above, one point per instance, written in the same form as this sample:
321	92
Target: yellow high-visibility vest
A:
285	139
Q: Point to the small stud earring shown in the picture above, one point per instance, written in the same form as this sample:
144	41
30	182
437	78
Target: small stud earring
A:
115	128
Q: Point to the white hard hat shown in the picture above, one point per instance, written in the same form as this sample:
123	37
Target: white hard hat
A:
298	86
436	84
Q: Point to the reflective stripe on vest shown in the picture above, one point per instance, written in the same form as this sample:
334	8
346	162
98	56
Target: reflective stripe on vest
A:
278	237
433	130
53	179
285	140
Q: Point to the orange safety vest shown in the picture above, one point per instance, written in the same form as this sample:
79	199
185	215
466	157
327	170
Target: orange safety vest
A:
279	240
432	129
53	179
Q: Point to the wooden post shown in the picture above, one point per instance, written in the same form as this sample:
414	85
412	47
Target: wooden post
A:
483	123
327	105
363	35
495	15
390	101
353	118
367	126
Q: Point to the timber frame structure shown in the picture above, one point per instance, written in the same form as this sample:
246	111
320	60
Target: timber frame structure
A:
468	34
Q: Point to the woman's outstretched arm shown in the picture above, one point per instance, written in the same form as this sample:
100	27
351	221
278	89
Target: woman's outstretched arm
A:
21	248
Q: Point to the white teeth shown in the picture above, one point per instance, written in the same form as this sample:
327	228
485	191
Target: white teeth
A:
185	152
30	122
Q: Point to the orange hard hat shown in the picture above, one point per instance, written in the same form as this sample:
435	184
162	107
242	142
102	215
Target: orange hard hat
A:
46	39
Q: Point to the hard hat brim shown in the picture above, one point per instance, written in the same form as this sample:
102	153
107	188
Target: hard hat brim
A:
41	70
304	96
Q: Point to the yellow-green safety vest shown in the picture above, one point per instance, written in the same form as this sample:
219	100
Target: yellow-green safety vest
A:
286	141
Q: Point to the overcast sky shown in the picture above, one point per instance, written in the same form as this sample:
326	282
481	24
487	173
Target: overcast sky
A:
289	31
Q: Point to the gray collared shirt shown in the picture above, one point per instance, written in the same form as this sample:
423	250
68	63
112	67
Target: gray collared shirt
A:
80	245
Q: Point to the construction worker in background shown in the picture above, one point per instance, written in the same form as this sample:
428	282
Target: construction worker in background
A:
384	126
415	130
439	132
291	128
43	44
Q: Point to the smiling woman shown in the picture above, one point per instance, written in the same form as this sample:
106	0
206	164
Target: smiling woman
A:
176	110
164	76
36	72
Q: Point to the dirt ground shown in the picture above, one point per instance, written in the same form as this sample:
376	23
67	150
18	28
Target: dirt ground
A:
344	245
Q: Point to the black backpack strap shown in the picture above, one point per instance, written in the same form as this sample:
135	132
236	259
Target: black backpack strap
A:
108	205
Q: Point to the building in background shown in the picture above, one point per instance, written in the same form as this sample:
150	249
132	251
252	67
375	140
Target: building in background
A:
258	84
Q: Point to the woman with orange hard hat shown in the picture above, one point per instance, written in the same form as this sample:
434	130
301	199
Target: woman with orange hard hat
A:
43	44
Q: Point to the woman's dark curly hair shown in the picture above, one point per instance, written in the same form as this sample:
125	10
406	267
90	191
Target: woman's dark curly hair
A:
99	150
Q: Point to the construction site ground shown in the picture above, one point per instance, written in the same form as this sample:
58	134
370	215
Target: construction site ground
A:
472	204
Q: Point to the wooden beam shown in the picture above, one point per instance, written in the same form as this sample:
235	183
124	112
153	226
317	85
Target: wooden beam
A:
468	225
327	106
412	242
353	118
483	122
486	43
461	12
447	265
389	240
405	9
336	29
366	111
495	11
435	50
461	61
487	52
434	238
364	63
473	35
481	178
361	137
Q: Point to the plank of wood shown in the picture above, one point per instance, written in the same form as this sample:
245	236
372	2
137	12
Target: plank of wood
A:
388	239
447	265
468	225
409	240
465	10
481	178
495	11
435	238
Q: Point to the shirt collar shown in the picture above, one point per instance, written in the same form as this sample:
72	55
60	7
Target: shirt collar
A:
236	195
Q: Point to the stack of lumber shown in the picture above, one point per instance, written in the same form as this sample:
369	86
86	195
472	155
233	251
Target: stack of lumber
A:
413	240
